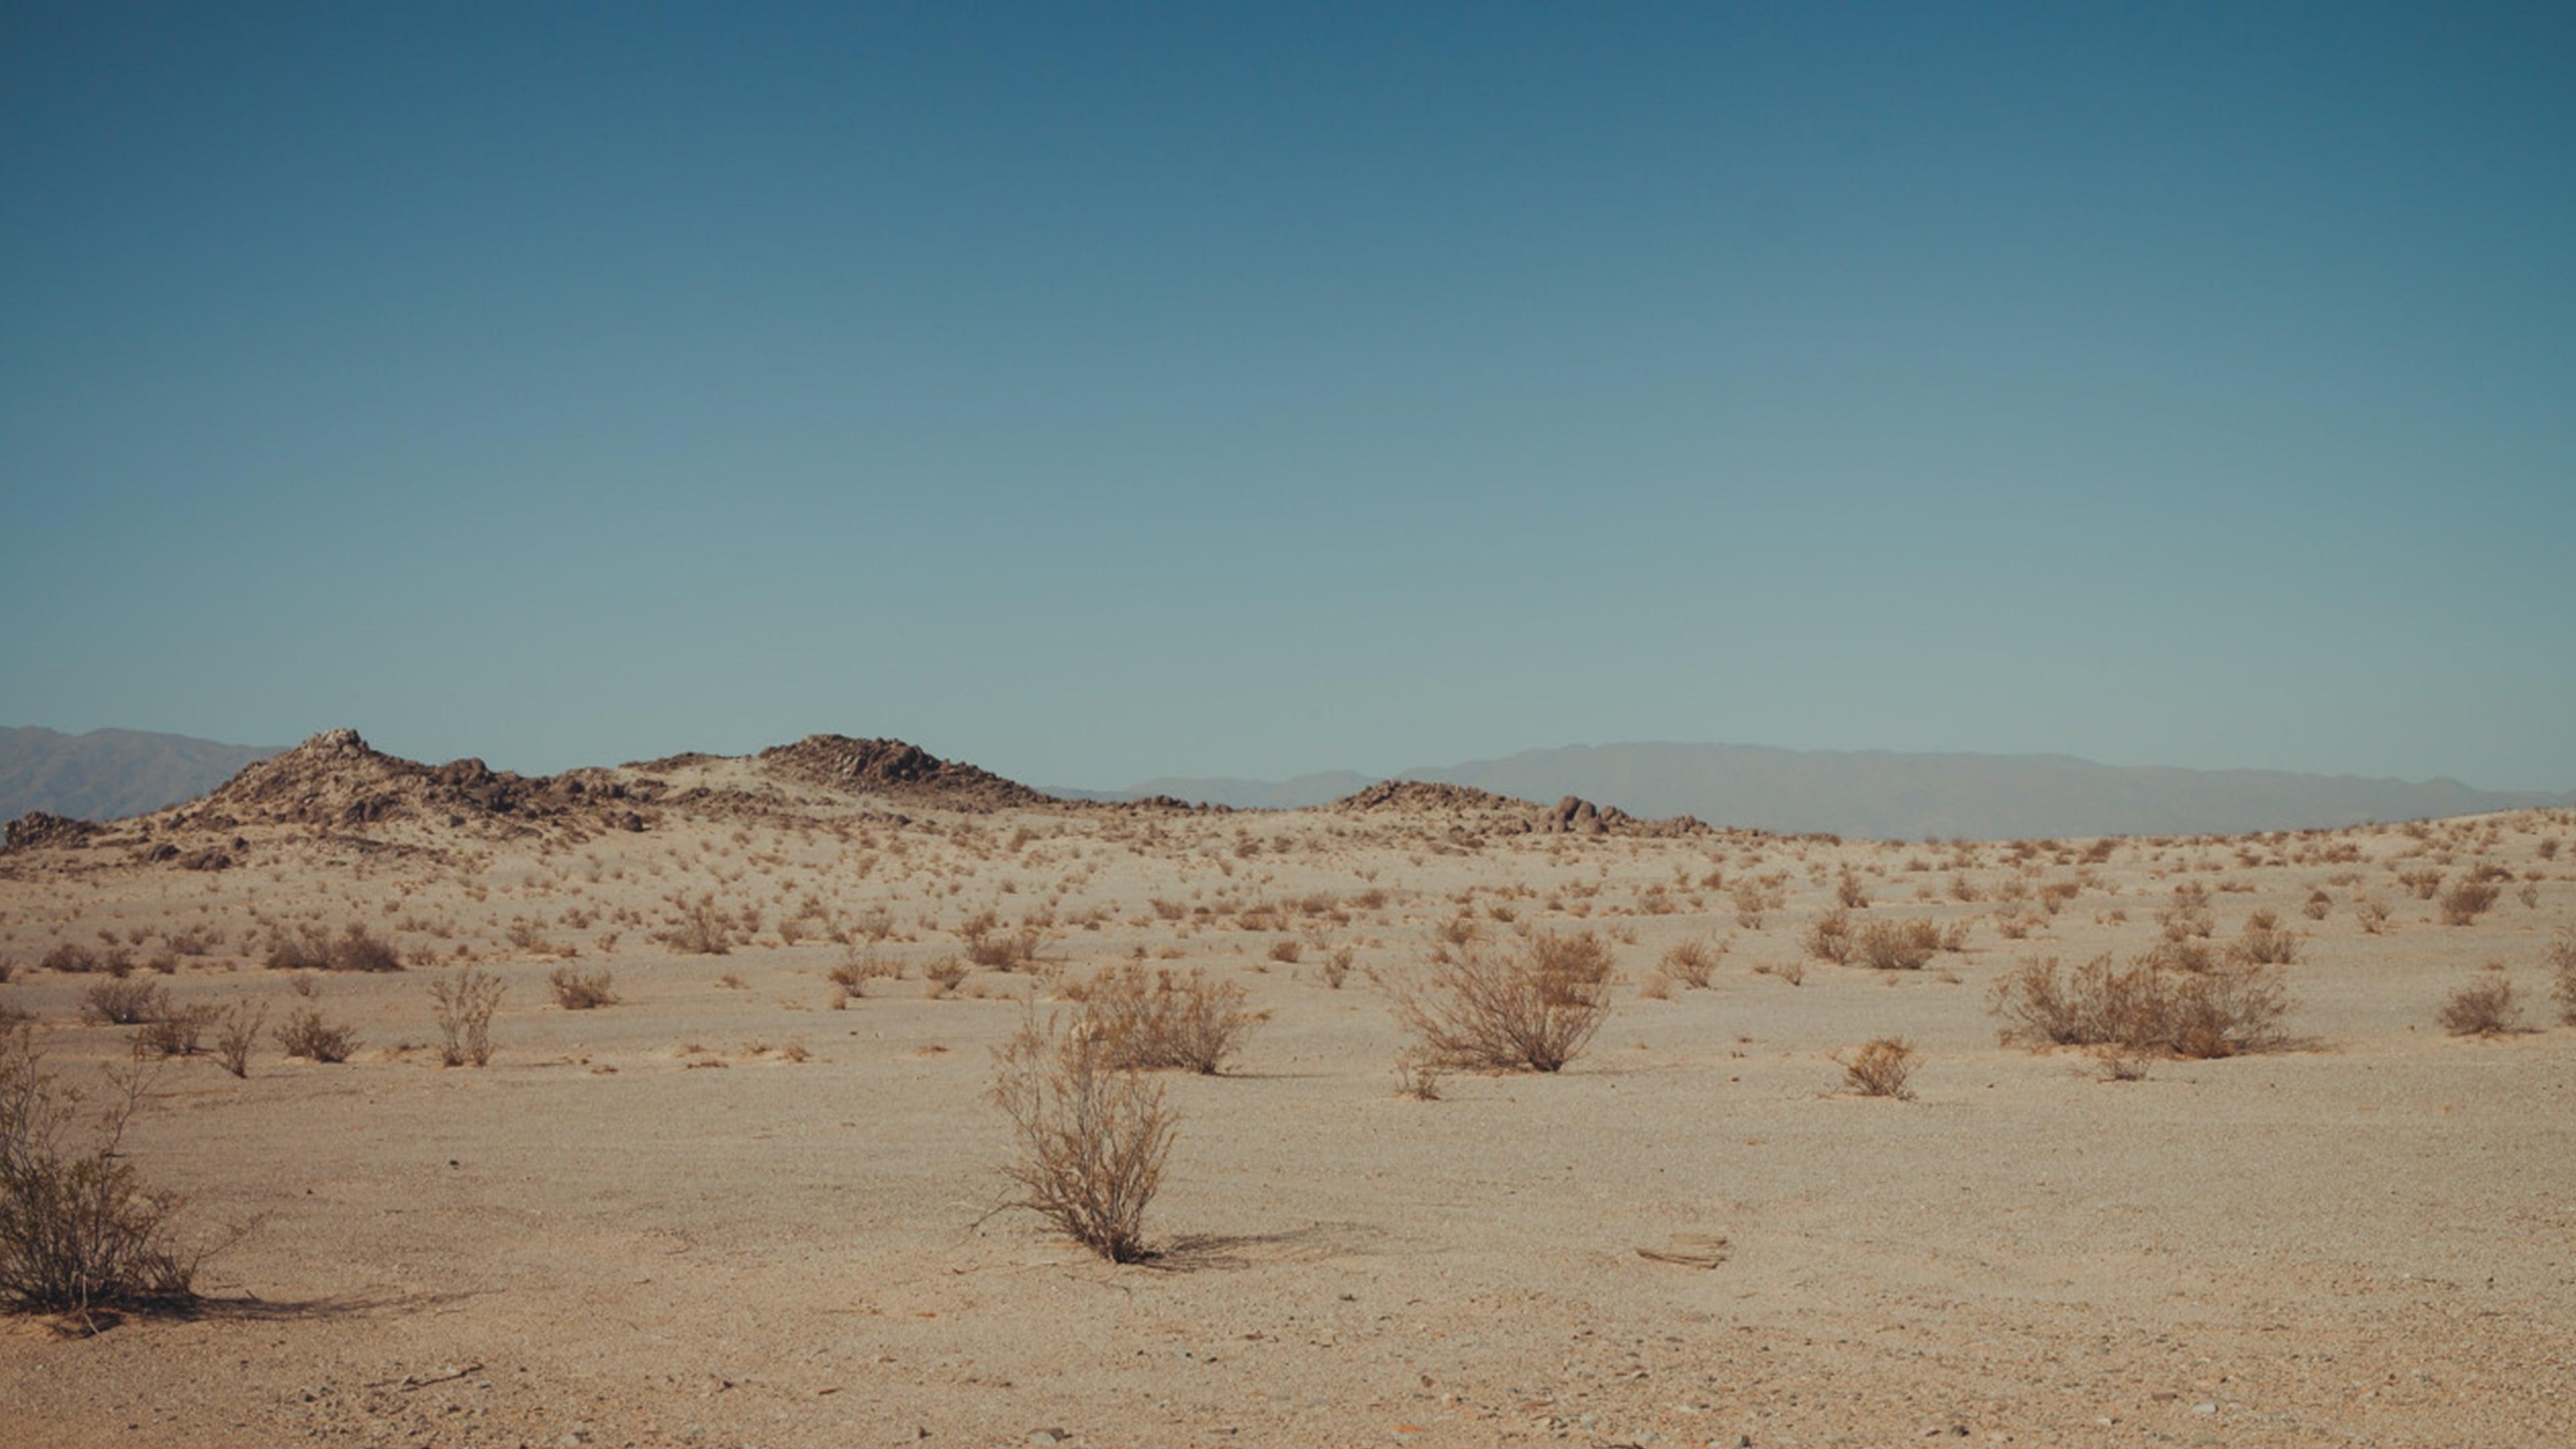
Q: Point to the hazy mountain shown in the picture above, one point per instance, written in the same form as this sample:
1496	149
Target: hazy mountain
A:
1885	795
108	774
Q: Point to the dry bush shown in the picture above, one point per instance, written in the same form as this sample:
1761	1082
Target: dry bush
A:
308	1036
124	1002
78	1229
1167	1021
466	999
237	1035
1828	937
2463	903
1337	967
1416	1078
314	949
2225	1011
2373	914
1533	1010
1749	904
2264	943
1880	1068
1091	1138
176	1032
1850	892
998	951
1288	952
577	992
2317	906
860	965
945	974
2123	1066
1692	963
2484	1007
1896	945
2562	965
75	959
698	928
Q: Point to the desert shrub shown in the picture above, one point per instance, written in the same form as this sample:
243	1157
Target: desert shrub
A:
1287	952
2464	902
237	1035
314	949
1337	966
2225	1011
1169	1021
176	1032
1692	963
78	1229
2317	906
1749	904
2373	915
118	1002
2562	965
1416	1078
698	928
945	974
1850	892
1829	938
74	959
1880	1068
577	992
8	968
308	1036
2264	943
1533	1010
1896	945
2484	1007
465	1000
1004	951
1090	1138
860	965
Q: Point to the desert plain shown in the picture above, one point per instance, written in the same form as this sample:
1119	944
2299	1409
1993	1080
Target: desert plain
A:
749	1199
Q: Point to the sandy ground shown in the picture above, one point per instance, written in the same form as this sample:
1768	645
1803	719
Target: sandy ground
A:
648	1224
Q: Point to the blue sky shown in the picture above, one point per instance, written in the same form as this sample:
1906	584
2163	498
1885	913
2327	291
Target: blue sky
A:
1101	393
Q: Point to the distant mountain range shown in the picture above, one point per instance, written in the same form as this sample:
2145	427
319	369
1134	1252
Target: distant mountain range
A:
1870	794
1877	794
110	774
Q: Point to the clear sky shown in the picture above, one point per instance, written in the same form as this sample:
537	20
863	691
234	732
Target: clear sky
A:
1102	393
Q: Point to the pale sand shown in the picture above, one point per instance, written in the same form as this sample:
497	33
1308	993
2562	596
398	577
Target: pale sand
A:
2370	1239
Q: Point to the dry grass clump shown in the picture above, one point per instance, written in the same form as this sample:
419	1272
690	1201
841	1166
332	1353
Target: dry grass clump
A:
1693	962
314	949
2264	943
698	927
176	1032
78	1229
2227	1010
1881	1068
74	959
466	999
124	1002
1091	1137
946	974
2562	964
2485	1007
308	1036
860	965
237	1035
1896	945
1337	966
2463	903
1166	1021
1003	950
577	992
1829	937
1532	1010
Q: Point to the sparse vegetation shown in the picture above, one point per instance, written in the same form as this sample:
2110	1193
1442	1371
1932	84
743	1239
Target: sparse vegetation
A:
2464	902
2486	1006
124	1002
1692	962
1090	1138
1896	945
308	1036
1168	1021
575	991
79	1231
1534	1009
238	1035
2228	1010
466	1000
1881	1068
314	949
